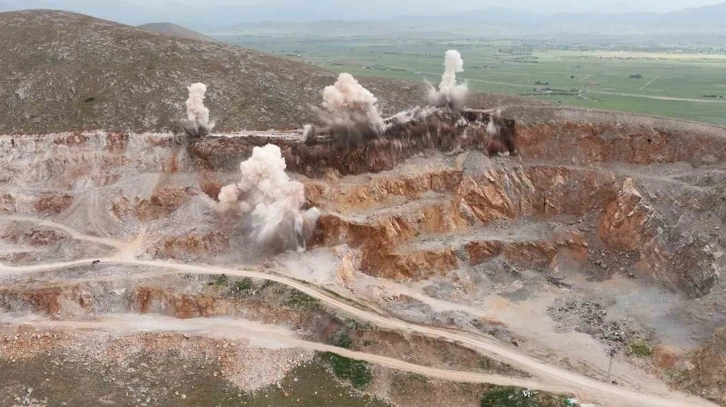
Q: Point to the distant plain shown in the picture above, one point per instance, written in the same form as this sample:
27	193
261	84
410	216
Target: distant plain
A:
680	83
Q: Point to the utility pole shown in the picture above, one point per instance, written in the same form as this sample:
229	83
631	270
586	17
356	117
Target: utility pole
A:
610	366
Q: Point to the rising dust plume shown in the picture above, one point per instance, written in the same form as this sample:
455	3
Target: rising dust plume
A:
350	110
268	202
449	93
197	123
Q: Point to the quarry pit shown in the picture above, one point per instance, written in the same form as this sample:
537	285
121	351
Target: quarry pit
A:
602	231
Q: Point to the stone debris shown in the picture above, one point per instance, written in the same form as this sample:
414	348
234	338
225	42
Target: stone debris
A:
590	317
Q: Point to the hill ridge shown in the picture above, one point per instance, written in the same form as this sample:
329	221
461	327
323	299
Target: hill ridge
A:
83	73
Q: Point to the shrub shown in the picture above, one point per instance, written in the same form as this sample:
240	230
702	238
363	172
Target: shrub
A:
356	371
342	340
243	285
301	300
640	348
514	397
221	280
508	397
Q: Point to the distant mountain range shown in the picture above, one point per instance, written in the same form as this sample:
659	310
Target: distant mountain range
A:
326	18
499	22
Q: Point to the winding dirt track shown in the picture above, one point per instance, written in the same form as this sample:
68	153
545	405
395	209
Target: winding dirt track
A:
551	378
236	329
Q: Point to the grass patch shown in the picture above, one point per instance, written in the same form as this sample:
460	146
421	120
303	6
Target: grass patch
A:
61	381
342	340
485	363
640	348
514	397
221	280
302	300
677	374
356	371
418	377
243	285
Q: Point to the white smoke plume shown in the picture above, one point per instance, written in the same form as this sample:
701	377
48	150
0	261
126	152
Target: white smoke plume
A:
350	109
270	202
414	114
493	128
197	121
449	93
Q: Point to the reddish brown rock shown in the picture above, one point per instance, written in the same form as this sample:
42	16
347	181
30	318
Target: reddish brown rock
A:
163	202
54	203
42	237
7	204
182	247
211	188
623	223
708	375
117	142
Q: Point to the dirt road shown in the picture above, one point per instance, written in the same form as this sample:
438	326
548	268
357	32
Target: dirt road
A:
257	333
552	378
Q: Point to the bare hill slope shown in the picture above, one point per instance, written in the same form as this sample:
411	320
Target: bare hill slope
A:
174	30
65	71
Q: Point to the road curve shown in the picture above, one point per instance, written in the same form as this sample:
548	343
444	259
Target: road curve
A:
582	386
235	329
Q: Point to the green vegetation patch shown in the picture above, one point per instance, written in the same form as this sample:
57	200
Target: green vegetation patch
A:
243	285
514	397
163	378
655	81
342	340
356	371
301	300
640	348
221	280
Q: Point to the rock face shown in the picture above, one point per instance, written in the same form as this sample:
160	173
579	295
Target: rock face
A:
708	374
421	218
622	225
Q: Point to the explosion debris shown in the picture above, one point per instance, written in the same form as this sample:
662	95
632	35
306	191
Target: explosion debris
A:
197	122
501	136
350	111
449	93
269	202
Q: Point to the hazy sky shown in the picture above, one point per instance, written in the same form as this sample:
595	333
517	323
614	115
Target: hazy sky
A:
434	6
348	8
214	14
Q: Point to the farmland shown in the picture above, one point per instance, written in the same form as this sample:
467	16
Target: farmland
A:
685	84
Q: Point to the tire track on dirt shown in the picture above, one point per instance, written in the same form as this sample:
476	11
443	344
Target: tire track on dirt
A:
553	378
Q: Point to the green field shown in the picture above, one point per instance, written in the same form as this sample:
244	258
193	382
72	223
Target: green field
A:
686	86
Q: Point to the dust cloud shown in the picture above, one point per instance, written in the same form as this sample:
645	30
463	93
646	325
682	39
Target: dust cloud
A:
269	202
350	110
197	123
449	93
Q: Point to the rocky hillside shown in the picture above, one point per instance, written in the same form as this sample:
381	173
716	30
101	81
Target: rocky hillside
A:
174	30
64	71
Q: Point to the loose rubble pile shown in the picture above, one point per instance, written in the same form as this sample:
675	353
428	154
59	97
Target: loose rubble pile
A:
590	317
